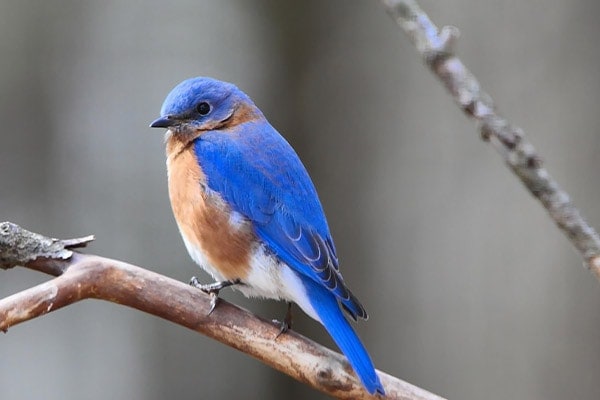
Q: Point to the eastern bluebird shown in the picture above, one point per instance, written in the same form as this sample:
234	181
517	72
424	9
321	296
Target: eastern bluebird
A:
249	213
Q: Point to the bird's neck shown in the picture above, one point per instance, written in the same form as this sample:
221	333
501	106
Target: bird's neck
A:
243	113
177	143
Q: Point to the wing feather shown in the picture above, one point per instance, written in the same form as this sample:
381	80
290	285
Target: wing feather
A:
260	176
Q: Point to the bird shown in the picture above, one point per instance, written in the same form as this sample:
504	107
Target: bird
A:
249	213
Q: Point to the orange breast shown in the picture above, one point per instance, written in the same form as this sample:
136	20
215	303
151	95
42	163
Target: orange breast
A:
203	218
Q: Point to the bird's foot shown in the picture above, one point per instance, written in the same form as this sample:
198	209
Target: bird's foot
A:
212	289
286	324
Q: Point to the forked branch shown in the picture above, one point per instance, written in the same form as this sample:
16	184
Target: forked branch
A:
81	276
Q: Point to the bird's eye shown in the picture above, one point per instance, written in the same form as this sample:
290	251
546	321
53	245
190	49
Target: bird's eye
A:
203	108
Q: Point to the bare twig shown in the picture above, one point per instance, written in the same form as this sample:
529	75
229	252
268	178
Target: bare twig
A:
437	49
81	276
18	246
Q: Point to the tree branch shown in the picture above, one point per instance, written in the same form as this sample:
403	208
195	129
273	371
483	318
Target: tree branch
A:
437	49
80	276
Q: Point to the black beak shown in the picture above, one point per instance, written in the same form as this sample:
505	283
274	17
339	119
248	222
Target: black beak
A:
164	122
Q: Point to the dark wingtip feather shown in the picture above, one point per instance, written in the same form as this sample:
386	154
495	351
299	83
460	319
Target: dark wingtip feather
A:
354	308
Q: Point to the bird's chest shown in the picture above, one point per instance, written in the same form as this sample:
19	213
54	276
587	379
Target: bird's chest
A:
219	239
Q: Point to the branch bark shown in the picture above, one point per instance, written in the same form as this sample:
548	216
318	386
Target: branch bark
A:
80	276
437	49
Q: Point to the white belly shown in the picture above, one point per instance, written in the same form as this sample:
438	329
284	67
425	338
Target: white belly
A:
268	278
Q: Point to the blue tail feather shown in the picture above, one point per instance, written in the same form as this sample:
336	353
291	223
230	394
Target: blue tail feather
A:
326	306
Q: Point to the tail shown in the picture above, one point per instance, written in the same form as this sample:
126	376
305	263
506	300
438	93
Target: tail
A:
325	304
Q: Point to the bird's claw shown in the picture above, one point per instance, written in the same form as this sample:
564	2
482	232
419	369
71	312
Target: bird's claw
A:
194	282
286	324
214	299
283	327
212	289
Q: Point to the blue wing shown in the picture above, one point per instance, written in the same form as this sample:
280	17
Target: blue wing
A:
258	173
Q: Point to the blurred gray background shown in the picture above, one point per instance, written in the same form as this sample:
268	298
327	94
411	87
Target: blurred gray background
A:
472	291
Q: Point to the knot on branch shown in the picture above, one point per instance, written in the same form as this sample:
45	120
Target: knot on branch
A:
19	246
442	45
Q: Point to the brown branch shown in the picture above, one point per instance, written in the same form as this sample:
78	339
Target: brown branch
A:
437	49
81	276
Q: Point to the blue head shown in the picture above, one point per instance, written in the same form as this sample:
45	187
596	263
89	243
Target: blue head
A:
203	104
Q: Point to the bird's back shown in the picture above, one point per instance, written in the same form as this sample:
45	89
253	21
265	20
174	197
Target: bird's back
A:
259	174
